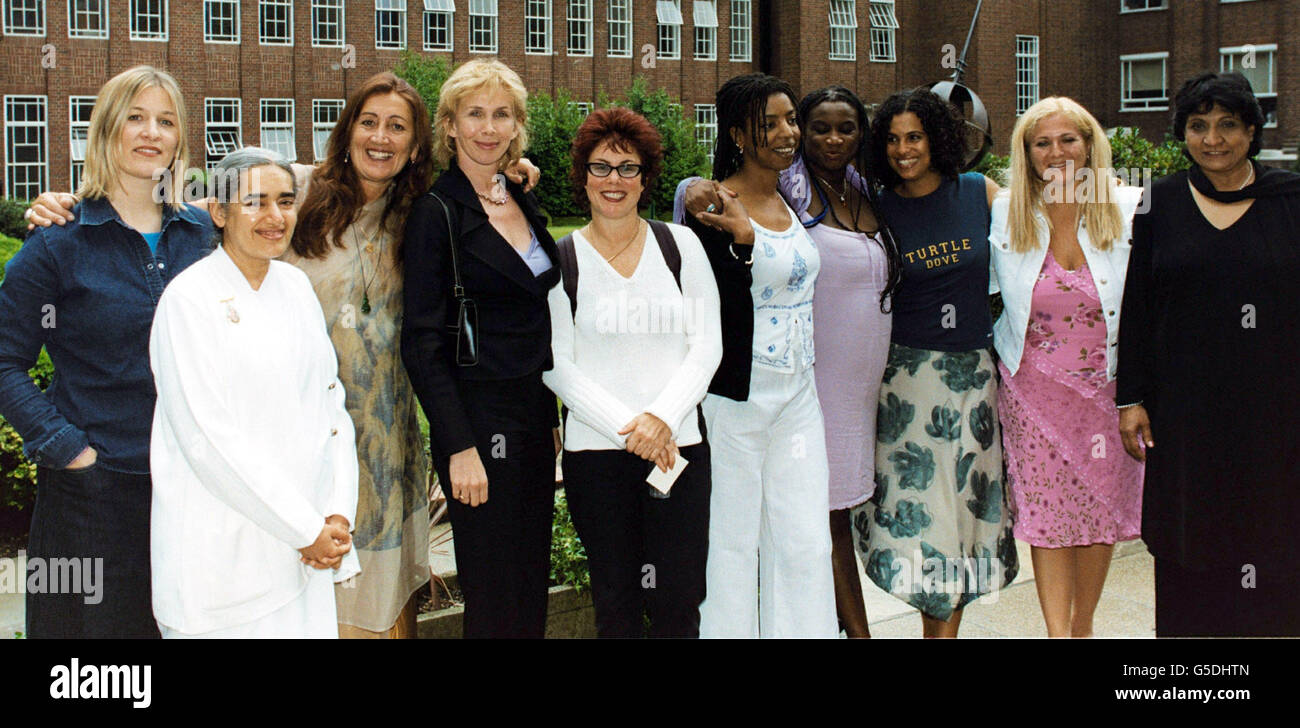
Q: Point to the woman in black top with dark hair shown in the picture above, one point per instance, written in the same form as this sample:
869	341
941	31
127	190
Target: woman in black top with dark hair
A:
1208	380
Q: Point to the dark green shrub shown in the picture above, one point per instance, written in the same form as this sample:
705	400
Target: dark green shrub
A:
994	167
17	473
11	218
568	557
552	124
1134	152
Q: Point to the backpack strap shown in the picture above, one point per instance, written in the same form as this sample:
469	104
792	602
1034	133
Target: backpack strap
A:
668	248
569	271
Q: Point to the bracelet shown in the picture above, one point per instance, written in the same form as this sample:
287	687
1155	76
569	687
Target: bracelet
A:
731	248
1126	406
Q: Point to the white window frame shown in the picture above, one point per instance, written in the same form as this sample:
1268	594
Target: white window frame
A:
582	33
444	12
271	133
668	16
139	30
211	37
706	127
325	115
618	18
79	108
742	25
39	107
319	11
843	18
1149	7
537	28
264	19
1128	103
390	10
225	134
1228	62
482	26
586	107
884	27
35	8
78	9
1027	72
704	14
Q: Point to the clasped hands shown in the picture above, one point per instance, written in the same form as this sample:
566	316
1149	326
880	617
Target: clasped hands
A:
649	438
333	543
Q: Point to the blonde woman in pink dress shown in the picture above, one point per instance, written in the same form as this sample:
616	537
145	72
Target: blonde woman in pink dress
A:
1060	245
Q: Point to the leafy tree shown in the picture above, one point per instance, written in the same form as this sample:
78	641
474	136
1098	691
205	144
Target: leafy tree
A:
426	75
1131	151
552	123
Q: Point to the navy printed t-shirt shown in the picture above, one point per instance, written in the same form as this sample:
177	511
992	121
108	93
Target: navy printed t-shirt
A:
942	302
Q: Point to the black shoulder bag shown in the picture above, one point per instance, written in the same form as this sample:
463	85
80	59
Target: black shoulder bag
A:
465	327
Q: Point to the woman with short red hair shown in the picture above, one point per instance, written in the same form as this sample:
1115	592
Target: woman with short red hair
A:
635	340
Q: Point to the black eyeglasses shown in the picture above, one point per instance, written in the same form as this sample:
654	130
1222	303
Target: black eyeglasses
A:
626	171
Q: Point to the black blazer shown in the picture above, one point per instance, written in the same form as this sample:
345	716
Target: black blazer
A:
514	325
734	278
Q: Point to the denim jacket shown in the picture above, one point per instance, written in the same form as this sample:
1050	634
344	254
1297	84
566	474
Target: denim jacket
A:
87	291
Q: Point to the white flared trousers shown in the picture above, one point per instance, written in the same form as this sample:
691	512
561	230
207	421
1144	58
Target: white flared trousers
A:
769	568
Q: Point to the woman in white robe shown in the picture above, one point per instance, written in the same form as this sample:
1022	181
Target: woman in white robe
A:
253	454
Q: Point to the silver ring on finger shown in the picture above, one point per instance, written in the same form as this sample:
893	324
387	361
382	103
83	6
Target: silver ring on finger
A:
711	207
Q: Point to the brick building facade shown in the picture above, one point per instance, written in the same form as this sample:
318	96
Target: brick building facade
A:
273	72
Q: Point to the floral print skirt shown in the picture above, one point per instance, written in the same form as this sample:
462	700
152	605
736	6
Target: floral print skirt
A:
937	533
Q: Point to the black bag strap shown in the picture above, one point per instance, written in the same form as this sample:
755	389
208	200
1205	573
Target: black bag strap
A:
457	289
569	260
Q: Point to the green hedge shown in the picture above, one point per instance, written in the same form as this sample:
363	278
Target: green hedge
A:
12	223
17	473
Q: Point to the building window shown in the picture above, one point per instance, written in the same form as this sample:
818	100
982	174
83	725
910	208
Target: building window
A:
580	27
325	114
148	19
1258	63
619	18
482	26
390	24
275	22
87	18
327	23
1137	6
883	25
537	26
221	21
277	127
706	30
706	127
584	107
844	30
222	130
669	15
1142	82
1026	72
79	108
741	22
438	16
25	17
25	147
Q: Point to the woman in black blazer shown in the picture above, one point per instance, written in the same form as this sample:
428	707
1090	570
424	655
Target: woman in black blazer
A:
490	422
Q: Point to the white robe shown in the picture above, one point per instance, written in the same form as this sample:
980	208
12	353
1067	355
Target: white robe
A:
251	450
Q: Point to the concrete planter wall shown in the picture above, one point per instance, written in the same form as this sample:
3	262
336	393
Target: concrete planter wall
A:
569	614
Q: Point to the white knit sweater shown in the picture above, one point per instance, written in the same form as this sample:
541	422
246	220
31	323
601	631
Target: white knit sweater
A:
638	344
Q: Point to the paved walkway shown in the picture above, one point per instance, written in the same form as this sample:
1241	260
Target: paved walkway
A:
1127	607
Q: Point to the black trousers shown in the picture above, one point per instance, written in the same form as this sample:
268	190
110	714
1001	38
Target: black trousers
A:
100	519
646	554
1263	600
503	546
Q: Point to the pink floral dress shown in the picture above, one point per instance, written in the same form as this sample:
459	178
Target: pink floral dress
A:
1072	482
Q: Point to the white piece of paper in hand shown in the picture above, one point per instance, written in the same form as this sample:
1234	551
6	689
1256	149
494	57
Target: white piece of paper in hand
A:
663	481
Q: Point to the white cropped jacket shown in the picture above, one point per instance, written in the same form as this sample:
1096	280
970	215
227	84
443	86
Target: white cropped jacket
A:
1015	274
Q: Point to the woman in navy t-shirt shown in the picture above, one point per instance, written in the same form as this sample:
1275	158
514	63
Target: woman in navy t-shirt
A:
937	531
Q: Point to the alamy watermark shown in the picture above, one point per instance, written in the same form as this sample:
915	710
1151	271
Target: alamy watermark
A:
71	575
